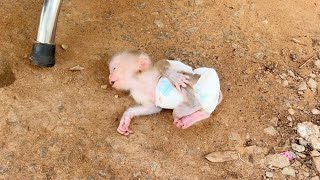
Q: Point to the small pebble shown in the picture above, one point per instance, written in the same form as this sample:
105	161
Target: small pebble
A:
291	111
159	23
291	73
102	173
285	83
315	111
269	174
271	131
314	153
303	142
302	86
301	155
317	63
104	86
77	68
298	148
116	96
289	171
64	47
312	83
274	121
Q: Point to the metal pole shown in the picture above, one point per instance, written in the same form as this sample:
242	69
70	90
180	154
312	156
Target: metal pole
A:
43	51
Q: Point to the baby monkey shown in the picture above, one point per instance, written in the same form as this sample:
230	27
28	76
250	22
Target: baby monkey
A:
192	94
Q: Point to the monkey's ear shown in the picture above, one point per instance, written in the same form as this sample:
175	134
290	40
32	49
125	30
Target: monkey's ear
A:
144	62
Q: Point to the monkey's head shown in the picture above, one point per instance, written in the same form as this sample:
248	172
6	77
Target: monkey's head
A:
125	66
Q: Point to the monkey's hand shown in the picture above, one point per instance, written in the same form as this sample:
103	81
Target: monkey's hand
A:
177	79
125	121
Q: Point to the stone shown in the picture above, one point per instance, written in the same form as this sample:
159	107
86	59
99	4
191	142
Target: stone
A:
104	86
285	83
302	86
116	96
314	153
269	174
136	174
271	131
159	23
317	63
314	142
303	142
103	173
315	178
291	73
291	111
316	161
274	121
222	156
64	46
312	83
306	129
77	68
298	148
315	111
277	161
12	118
259	55
288	171
301	155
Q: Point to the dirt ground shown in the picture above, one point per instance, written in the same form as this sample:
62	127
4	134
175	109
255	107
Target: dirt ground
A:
59	124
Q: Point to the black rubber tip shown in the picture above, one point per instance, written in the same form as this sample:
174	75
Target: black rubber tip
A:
43	55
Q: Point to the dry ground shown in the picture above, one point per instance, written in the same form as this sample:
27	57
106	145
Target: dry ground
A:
58	124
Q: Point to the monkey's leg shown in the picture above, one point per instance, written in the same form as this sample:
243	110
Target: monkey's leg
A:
125	121
188	121
188	107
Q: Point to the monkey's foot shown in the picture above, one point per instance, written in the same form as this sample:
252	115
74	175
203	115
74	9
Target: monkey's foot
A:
123	127
188	121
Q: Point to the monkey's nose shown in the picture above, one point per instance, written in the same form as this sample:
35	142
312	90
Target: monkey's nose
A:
112	82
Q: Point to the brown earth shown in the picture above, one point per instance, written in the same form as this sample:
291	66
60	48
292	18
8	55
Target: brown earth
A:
59	124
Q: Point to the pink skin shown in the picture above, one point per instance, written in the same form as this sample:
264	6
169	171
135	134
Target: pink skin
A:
188	121
129	72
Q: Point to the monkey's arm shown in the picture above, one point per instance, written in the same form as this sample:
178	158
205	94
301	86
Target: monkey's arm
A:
134	112
177	79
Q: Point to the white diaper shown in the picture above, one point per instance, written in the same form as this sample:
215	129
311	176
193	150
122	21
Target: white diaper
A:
207	88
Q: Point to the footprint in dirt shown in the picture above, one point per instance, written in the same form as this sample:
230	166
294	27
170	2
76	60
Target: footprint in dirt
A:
7	77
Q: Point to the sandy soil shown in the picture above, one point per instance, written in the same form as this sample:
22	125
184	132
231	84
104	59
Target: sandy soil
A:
59	124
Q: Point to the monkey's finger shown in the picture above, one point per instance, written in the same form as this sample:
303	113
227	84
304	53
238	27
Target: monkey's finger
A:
177	86
186	76
186	81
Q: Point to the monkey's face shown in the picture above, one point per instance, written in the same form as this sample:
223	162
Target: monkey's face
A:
121	73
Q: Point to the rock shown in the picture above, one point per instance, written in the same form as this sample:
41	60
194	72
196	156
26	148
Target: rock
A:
306	129
312	75
222	156
271	131
289	171
64	47
315	178
314	153
159	23
136	174
291	73
104	86
312	83
303	142
269	174
259	55
317	63
77	68
12	119
285	83
302	86
314	142
154	166
315	111
103	173
291	111
255	150
116	96
277	160
301	155
316	161
298	148
274	121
